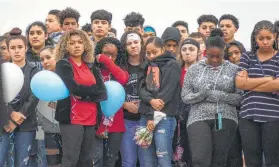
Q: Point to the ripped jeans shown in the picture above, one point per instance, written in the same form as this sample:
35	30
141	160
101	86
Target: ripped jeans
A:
22	145
159	153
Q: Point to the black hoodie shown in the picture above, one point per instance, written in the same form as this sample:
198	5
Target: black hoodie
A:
169	87
171	33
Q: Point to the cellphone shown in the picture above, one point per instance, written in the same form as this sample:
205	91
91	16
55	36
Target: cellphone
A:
218	121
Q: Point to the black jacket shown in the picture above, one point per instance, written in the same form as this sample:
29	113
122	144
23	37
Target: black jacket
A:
3	107
95	93
169	90
27	101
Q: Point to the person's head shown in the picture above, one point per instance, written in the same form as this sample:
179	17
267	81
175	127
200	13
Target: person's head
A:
189	51
47	56
87	28
52	21
233	52
148	32
36	34
69	18
182	26
4	49
206	24
276	24
132	43
75	43
215	46
112	47
171	38
17	45
101	23
112	33
154	47
200	38
229	25
264	36
134	21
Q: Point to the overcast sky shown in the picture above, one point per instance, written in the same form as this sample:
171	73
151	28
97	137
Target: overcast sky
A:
158	13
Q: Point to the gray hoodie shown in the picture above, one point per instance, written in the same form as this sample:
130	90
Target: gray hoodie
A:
210	90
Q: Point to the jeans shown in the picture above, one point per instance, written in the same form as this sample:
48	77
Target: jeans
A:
22	145
258	138
53	144
159	153
130	151
38	154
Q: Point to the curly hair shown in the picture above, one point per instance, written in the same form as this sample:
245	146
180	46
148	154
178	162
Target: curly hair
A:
207	18
230	17
61	48
123	41
68	13
134	19
86	28
121	59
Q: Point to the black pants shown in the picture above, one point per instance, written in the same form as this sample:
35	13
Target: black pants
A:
258	138
53	144
235	153
77	145
209	147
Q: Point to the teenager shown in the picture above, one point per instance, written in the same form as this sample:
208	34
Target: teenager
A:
4	49
148	32
87	28
112	33
213	97
182	26
206	24
53	25
258	77
69	19
112	61
171	38
134	22
164	97
201	39
77	114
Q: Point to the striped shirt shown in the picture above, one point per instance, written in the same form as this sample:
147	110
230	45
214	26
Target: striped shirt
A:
260	106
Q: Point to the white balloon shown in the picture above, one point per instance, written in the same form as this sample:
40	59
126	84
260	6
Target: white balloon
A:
12	78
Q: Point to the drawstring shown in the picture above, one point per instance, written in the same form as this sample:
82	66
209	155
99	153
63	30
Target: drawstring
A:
215	86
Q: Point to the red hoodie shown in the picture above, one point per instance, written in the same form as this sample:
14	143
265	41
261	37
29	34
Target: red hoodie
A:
122	77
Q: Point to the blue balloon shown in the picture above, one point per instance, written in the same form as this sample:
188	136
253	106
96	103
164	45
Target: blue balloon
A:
116	98
48	86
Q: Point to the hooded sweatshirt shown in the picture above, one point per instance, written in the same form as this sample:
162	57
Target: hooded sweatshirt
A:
210	90
171	33
168	87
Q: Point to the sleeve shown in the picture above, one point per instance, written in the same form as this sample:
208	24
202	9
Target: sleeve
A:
229	98
169	83
145	95
244	62
119	74
188	95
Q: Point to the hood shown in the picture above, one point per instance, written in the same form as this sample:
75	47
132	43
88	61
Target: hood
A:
171	33
165	57
32	56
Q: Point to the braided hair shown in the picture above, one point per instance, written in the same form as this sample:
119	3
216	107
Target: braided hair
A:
216	39
263	25
121	59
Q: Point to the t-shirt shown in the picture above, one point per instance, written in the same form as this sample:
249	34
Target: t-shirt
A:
260	106
132	93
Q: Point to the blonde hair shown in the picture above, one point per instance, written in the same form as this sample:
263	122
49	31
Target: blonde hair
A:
61	48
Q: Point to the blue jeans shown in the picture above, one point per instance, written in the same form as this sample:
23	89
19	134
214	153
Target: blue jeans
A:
129	150
159	153
38	154
22	145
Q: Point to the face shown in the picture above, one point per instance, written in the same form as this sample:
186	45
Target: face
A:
183	32
48	60
111	51
265	39
202	44
100	28
171	46
228	29
133	47
206	28
153	51
70	24
37	37
189	53
214	56
138	29
75	46
17	50
147	35
5	51
111	34
52	24
234	54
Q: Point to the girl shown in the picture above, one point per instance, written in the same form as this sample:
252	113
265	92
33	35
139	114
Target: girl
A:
132	43
209	88
159	91
46	112
23	123
4	49
258	77
37	37
77	113
233	52
112	62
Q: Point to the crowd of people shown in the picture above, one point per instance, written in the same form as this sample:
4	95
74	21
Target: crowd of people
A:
221	101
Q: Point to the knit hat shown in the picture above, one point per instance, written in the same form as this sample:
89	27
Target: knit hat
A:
171	33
